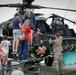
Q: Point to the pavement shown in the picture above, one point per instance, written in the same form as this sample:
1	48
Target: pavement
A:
50	70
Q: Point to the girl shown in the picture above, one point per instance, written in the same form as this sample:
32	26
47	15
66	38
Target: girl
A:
24	44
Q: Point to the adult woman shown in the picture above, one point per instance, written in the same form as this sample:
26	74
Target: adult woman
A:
24	44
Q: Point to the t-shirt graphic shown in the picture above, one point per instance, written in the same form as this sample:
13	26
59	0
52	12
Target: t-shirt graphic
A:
5	46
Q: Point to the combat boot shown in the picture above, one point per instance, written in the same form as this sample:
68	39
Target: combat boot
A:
57	73
61	72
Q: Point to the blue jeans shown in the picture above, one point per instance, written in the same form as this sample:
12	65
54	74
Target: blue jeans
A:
22	55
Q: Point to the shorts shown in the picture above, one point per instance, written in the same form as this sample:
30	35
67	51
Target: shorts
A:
35	48
1	57
16	33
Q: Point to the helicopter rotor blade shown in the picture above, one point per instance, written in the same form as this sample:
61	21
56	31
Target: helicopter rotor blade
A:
58	9
42	7
10	5
26	5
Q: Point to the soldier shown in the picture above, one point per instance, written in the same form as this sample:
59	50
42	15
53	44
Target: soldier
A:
57	50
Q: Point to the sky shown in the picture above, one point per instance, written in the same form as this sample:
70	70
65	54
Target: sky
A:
7	13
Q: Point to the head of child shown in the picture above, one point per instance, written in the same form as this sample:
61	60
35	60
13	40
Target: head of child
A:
5	37
17	15
17	69
37	31
26	23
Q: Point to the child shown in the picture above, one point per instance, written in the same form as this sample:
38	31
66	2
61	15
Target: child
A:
1	57
22	55
17	71
39	48
5	47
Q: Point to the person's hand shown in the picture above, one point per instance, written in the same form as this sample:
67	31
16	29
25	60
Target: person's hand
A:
50	39
41	41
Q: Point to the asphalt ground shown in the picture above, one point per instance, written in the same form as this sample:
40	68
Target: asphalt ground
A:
50	70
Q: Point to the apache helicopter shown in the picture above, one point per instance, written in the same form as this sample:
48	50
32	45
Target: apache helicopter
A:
57	25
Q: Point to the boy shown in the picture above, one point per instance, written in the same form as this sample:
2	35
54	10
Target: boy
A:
18	71
39	48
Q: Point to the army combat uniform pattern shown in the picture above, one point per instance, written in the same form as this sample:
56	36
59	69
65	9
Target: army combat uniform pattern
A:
57	50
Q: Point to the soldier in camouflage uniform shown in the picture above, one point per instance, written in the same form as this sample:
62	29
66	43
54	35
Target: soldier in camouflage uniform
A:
57	50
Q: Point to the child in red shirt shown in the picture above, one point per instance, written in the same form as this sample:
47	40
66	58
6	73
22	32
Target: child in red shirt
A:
24	44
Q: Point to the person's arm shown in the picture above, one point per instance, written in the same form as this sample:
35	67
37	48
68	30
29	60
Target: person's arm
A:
34	19
41	41
24	17
51	41
2	51
1	48
19	23
21	28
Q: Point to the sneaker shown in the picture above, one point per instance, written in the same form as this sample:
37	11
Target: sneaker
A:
18	60
14	52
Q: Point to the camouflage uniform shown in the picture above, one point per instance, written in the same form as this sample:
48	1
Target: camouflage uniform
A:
57	50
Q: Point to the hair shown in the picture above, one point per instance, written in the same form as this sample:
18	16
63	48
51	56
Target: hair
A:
57	34
37	30
17	14
26	21
28	12
19	68
5	37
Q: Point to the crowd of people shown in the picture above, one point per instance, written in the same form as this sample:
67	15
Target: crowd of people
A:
27	26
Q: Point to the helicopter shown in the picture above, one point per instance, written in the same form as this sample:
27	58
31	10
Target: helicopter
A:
57	24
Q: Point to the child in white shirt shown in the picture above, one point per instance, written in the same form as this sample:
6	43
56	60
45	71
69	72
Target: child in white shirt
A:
5	47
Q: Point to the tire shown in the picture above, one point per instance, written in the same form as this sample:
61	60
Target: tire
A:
48	61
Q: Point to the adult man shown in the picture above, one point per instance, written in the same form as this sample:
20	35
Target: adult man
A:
57	50
16	30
